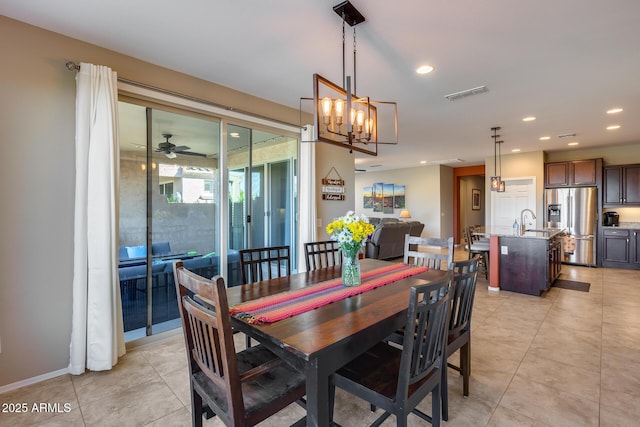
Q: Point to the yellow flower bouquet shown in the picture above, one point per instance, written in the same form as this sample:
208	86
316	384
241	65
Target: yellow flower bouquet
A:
351	232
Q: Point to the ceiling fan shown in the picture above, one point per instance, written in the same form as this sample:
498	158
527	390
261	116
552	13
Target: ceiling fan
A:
171	150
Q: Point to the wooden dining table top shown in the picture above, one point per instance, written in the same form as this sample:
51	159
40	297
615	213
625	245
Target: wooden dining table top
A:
325	327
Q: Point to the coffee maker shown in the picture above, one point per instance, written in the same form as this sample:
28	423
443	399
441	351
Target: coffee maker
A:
611	219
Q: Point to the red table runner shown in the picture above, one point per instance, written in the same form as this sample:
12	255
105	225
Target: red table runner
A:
290	303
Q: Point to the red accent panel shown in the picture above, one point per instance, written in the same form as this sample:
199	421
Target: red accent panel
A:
494	262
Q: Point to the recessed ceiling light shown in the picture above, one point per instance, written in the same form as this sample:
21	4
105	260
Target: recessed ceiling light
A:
423	162
515	150
234	135
545	138
425	69
528	119
614	110
573	143
613	127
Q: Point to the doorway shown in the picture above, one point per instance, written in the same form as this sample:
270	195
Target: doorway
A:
462	197
520	193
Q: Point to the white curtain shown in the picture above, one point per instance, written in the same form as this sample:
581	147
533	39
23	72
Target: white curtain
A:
306	195
97	333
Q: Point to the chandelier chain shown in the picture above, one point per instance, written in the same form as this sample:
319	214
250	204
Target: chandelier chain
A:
354	61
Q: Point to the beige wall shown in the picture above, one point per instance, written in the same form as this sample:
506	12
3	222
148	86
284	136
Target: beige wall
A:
614	155
328	156
428	196
37	119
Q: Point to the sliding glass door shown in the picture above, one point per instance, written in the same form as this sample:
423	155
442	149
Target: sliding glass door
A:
173	206
260	165
169	209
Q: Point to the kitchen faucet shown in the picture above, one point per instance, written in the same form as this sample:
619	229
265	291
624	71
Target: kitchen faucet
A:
523	227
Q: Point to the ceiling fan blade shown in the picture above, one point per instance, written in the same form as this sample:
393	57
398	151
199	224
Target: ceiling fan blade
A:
191	153
181	148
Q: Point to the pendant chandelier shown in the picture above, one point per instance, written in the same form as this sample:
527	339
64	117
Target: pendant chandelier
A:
497	184
339	116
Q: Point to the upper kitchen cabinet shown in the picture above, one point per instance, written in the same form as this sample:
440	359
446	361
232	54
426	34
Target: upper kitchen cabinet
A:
574	173
621	185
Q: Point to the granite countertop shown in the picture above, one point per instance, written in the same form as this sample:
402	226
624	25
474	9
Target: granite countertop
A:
537	233
631	225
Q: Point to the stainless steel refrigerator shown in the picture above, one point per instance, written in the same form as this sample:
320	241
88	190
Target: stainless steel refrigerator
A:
576	211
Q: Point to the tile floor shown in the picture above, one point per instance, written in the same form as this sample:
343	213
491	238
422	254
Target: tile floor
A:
568	358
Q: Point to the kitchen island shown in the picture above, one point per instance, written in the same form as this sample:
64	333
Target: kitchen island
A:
527	262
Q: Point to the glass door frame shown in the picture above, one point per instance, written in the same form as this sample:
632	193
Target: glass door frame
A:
145	95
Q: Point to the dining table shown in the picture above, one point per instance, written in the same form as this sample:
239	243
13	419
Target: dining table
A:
320	341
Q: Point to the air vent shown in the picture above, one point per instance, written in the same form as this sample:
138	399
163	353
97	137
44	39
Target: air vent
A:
567	135
465	93
444	162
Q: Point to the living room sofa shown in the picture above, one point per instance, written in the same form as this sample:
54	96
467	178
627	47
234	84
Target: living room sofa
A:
387	240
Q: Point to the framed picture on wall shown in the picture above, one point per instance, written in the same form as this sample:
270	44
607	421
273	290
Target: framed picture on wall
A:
367	198
398	197
376	195
387	198
475	199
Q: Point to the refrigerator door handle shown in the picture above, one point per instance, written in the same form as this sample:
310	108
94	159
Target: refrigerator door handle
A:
569	213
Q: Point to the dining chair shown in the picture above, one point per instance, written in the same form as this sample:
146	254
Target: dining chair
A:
465	275
398	379
480	248
242	388
322	254
260	264
434	260
476	236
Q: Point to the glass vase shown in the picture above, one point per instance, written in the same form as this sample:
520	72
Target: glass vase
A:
350	270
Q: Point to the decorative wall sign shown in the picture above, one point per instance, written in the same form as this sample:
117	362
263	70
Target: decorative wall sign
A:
333	188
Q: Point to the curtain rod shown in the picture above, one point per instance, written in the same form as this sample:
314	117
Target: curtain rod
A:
72	66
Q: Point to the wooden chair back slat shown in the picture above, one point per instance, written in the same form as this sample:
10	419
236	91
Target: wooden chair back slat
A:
267	263
432	260
322	254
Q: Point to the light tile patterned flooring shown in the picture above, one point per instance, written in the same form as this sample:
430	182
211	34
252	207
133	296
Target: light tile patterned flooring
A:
567	358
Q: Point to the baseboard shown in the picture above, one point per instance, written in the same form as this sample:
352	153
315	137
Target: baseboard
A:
154	339
33	380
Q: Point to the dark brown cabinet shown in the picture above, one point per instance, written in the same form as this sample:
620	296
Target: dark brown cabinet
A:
621	248
621	185
574	173
616	246
555	258
529	265
556	174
